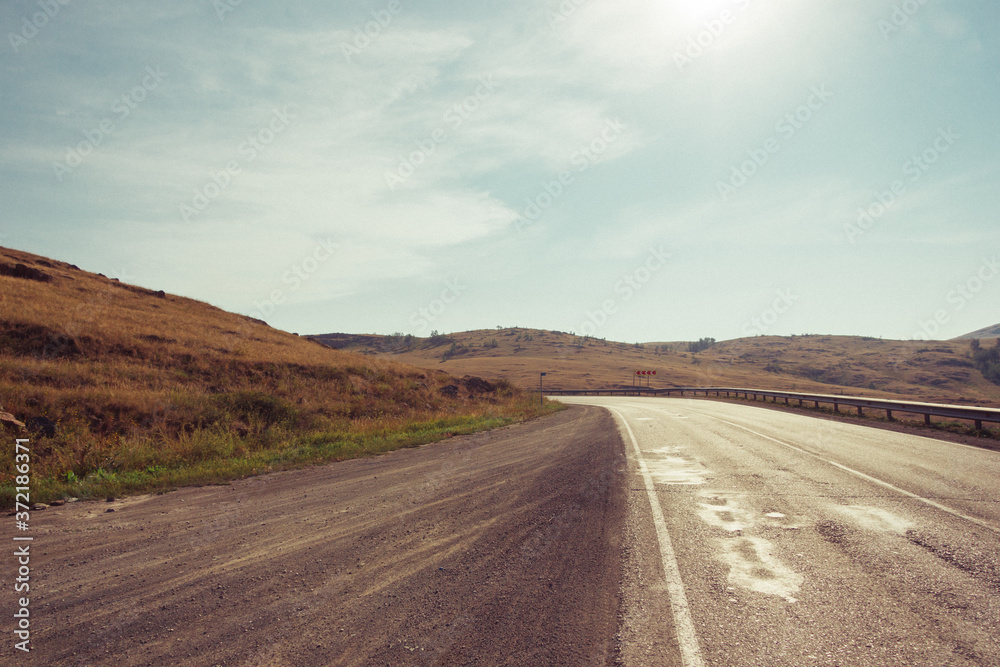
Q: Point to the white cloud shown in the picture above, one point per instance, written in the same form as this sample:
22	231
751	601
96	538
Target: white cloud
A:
554	90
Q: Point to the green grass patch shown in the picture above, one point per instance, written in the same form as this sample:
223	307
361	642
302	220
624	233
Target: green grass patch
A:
214	456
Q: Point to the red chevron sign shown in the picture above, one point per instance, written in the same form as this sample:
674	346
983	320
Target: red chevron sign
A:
645	372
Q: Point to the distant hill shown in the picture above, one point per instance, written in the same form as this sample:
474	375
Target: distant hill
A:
939	371
985	332
123	388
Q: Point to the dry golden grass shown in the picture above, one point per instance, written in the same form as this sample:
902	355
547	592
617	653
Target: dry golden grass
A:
936	371
151	390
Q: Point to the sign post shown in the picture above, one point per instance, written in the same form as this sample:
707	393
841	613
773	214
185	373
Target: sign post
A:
643	374
541	396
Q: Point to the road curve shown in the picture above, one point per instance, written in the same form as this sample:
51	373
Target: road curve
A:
502	548
799	541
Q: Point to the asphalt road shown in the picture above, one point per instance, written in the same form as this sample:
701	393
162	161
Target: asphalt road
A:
757	537
653	532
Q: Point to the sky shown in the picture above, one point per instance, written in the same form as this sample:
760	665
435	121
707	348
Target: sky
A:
636	170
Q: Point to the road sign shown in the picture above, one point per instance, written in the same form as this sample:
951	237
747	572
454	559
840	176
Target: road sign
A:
645	372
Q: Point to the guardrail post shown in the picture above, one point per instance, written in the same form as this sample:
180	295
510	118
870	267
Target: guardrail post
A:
927	418
979	424
888	415
836	408
861	412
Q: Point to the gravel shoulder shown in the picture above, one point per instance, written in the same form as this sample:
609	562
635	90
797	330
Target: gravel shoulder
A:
500	548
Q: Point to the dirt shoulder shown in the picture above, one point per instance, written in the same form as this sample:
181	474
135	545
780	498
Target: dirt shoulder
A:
498	548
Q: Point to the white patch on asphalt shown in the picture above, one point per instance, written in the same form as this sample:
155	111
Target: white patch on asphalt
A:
719	513
933	503
752	566
874	518
668	466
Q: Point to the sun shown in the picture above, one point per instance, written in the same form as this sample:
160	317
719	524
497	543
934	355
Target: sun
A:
696	12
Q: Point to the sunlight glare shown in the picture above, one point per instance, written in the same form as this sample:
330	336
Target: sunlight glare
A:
698	11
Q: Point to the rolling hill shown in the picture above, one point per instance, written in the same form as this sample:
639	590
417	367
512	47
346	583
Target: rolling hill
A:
122	388
985	332
938	371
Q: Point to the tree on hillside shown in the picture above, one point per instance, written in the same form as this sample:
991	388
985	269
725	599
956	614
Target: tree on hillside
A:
987	360
437	339
702	344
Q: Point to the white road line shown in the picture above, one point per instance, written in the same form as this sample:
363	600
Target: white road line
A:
687	638
874	480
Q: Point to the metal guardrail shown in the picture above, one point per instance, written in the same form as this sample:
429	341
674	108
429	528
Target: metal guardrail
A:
928	410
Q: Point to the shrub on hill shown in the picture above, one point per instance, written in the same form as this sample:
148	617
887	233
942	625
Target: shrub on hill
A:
987	360
701	345
437	339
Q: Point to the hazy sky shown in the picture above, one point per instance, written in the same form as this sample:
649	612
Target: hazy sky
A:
639	170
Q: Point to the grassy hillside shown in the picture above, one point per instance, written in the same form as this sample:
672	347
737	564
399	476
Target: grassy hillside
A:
985	332
938	371
127	389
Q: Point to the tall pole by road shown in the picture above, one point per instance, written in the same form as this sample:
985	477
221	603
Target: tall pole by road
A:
541	397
